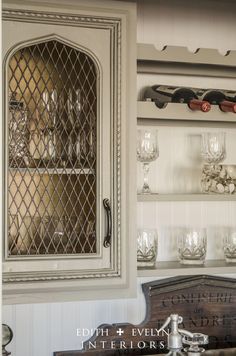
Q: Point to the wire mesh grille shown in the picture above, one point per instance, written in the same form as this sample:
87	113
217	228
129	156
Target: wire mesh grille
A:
51	151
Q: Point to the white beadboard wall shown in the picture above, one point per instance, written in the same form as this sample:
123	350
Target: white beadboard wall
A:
40	329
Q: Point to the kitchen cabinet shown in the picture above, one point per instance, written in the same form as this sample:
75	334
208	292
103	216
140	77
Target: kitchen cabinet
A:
69	154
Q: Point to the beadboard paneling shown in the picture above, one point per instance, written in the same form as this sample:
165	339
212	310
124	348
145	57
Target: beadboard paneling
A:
40	329
193	24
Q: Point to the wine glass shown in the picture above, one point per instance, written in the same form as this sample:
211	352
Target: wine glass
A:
213	147
147	151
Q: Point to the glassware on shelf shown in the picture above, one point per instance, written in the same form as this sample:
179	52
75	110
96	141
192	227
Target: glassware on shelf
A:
13	233
49	145
45	131
18	133
230	245
59	236
192	246
49	108
76	148
28	227
217	178
213	147
78	104
70	149
53	235
90	236
146	248
147	151
81	149
92	139
70	111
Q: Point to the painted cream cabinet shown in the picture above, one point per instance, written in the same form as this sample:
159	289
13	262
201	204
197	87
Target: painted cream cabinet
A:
69	116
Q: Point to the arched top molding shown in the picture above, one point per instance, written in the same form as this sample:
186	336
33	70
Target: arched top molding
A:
53	37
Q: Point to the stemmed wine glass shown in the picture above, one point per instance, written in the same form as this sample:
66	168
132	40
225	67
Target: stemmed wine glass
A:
213	147
147	151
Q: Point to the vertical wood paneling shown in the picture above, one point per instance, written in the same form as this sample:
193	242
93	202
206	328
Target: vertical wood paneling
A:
55	315
40	329
40	320
23	336
187	23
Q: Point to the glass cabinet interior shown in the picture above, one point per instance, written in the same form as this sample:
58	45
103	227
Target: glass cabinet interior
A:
51	151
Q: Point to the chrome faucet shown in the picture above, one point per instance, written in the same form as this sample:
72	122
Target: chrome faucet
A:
177	337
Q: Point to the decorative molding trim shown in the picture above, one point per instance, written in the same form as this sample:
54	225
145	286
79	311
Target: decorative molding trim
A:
60	18
114	25
39	276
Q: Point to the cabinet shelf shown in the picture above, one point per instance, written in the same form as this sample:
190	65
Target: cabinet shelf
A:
53	171
181	112
185	197
173	268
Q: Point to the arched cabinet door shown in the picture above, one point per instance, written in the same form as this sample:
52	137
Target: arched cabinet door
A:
69	151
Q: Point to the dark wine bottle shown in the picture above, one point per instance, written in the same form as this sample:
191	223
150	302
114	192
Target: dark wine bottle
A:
218	97
230	95
162	95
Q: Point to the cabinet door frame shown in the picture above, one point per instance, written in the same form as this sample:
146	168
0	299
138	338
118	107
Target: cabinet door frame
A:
119	279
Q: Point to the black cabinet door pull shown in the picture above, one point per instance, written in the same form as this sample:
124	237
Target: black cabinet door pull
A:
107	207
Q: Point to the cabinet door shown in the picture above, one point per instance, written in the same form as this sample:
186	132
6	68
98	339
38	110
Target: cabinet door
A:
66	137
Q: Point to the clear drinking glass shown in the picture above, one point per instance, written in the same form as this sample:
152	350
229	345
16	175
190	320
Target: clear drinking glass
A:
213	147
230	245
13	233
147	151
18	133
192	246
146	247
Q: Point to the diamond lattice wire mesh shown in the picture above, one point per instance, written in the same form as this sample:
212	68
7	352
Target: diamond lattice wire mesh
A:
51	151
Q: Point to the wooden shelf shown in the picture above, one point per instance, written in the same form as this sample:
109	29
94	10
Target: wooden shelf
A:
52	171
180	61
173	268
180	112
185	197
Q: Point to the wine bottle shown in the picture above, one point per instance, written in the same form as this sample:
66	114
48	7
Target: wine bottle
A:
218	97
162	95
231	97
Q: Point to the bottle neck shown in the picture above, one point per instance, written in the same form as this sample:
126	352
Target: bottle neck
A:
201	105
228	106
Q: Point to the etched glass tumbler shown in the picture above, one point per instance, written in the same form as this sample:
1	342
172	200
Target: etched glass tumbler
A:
147	151
146	247
213	147
230	245
192	246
